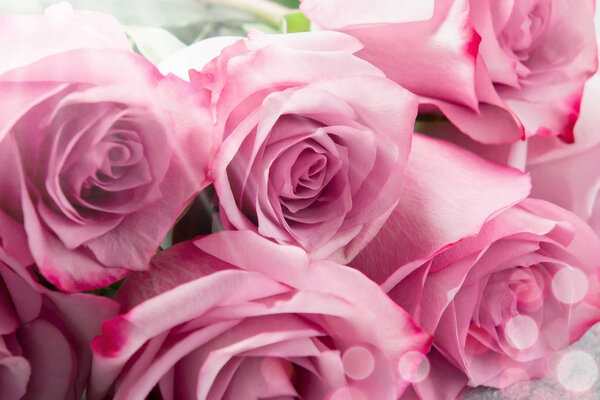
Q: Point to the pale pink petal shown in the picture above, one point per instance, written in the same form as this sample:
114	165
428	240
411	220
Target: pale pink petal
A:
53	362
14	376
195	56
83	315
124	67
444	381
417	54
425	221
59	29
18	97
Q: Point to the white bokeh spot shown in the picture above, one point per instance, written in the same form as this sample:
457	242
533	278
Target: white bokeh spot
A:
358	362
407	370
521	332
348	393
577	371
570	285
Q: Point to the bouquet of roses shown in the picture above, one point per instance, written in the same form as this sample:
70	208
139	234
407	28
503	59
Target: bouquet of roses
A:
353	200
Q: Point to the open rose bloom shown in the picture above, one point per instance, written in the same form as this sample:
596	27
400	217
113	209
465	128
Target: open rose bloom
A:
499	304
235	316
314	148
99	160
299	200
500	70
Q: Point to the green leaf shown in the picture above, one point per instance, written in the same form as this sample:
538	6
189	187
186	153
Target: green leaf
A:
156	44
295	21
109	291
167	241
288	3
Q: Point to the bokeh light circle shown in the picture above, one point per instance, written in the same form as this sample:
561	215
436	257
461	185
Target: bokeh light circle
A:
407	370
358	362
577	371
521	332
348	393
570	285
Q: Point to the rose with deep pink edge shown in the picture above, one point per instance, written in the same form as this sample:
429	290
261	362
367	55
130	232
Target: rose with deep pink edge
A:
315	139
100	151
428	46
564	174
500	303
525	77
537	60
429	212
236	316
44	336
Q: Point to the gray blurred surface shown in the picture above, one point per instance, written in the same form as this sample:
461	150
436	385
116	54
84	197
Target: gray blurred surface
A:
550	388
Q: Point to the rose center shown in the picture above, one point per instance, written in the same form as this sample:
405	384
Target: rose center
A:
310	168
115	157
527	286
526	27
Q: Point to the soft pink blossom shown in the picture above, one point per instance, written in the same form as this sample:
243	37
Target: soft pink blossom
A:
500	70
44	335
500	303
233	315
100	152
426	209
315	139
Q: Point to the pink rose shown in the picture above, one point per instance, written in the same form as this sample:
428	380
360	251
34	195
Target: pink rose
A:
526	78
315	139
427	210
500	303
100	152
233	315
44	336
537	59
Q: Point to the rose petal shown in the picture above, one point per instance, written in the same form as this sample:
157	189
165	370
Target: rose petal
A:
14	376
444	45
59	30
53	363
444	381
126	334
195	56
